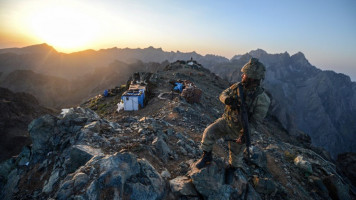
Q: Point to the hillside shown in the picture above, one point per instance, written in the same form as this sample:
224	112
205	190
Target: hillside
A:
17	110
56	92
150	153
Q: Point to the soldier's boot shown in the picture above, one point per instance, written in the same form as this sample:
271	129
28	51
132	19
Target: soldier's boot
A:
205	160
229	174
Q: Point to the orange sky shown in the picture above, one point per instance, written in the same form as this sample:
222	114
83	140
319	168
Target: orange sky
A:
325	31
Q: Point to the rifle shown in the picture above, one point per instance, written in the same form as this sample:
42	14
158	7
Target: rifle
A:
244	120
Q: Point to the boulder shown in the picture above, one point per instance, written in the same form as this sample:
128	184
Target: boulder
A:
42	131
264	185
93	126
11	186
6	167
182	186
252	194
209	180
165	174
80	154
162	148
257	156
147	184
48	187
226	192
303	164
80	179
239	182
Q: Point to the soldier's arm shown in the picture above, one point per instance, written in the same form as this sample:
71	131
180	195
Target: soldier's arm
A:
260	108
226	93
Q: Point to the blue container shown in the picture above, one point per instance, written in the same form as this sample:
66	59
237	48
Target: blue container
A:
106	93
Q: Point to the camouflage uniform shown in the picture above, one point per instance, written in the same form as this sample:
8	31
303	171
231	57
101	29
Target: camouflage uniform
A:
229	125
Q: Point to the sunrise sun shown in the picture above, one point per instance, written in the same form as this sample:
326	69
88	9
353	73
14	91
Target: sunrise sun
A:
66	28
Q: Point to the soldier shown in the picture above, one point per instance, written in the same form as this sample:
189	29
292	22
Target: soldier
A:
229	125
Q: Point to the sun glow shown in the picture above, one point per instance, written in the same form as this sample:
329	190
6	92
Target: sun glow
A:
66	28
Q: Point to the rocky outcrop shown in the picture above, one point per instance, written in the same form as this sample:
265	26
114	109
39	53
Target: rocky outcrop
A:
17	110
72	157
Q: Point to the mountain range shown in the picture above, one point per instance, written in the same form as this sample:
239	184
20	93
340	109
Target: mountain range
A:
305	99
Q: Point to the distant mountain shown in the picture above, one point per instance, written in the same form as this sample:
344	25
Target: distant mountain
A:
320	103
17	110
56	92
34	49
46	60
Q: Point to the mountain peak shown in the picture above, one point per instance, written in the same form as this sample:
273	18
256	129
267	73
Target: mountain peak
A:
33	49
257	53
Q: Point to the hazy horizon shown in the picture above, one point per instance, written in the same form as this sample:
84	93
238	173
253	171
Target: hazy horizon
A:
325	31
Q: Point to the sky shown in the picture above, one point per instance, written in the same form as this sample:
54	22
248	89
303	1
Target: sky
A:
324	30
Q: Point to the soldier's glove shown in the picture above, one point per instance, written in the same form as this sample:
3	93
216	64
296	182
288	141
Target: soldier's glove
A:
232	102
240	140
229	101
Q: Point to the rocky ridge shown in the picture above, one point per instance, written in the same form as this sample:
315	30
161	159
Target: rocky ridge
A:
150	154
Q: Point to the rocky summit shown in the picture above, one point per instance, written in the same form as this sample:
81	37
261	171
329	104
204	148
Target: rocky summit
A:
96	152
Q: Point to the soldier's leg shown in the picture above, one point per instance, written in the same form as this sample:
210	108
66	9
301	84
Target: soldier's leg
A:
236	154
212	133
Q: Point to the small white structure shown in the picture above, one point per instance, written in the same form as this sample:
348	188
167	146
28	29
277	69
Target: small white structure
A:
134	97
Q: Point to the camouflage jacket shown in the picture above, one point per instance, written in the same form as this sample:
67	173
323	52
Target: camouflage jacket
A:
257	103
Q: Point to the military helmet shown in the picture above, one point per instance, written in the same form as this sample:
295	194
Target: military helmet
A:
254	69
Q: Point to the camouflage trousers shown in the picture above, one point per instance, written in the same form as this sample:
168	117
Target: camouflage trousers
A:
220	129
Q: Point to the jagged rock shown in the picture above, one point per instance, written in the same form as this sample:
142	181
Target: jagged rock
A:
165	174
148	184
80	154
226	192
257	156
42	131
252	194
24	157
239	182
264	185
93	126
209	180
162	148
11	185
80	179
6	167
115	177
48	187
182	186
79	115
66	189
303	164
337	189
